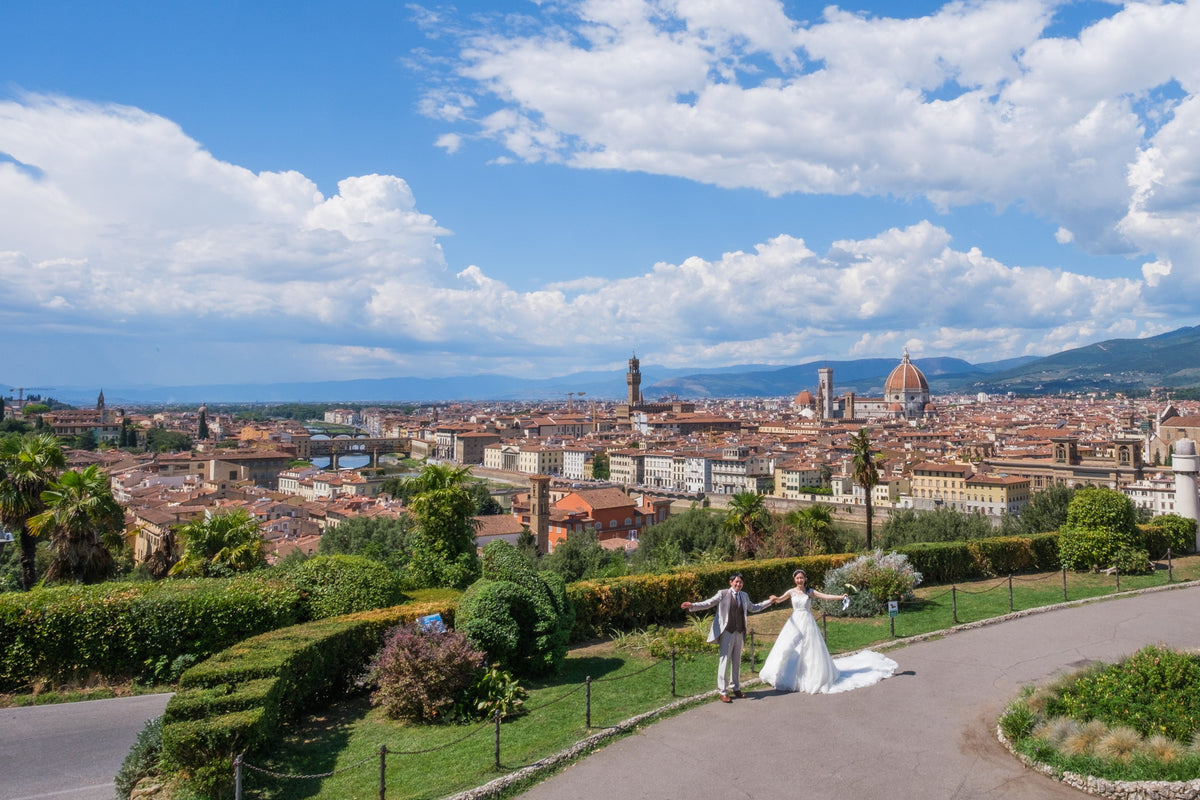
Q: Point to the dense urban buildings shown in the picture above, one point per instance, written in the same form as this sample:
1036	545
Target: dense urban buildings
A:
616	468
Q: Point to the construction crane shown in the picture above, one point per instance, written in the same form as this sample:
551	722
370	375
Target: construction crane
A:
571	400
21	393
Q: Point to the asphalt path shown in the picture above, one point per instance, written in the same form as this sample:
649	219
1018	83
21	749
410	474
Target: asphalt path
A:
927	732
70	751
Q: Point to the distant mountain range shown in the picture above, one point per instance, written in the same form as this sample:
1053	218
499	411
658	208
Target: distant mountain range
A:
1170	360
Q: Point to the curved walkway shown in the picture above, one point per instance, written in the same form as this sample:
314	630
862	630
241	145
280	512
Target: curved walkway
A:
70	751
928	732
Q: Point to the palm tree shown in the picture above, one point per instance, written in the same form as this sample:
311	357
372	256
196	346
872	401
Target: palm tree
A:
27	466
80	512
816	519
747	520
866	473
219	544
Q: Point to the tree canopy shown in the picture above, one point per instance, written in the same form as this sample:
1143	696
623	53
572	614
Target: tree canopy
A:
28	464
219	545
82	520
444	538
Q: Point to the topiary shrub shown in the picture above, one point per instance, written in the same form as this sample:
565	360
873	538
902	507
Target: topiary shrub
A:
870	580
519	616
1099	523
419	673
342	584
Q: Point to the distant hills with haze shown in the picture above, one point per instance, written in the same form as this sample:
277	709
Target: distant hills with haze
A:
1170	360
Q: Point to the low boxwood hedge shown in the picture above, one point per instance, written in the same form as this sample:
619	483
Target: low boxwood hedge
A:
236	700
949	562
635	601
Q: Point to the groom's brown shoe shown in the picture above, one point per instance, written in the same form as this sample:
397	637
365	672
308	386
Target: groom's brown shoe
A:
739	694
725	699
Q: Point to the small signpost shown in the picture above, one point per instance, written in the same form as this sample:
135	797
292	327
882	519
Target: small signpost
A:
893	612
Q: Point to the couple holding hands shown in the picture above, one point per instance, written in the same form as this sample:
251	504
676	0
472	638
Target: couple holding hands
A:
799	661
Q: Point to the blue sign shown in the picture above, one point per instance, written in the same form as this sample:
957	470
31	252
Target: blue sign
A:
432	624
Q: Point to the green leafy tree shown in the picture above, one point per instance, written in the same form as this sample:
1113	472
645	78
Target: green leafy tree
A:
580	556
485	504
601	470
521	617
696	535
1100	525
865	474
383	539
14	425
907	526
27	466
748	520
161	440
84	441
219	545
444	543
30	410
1045	513
81	520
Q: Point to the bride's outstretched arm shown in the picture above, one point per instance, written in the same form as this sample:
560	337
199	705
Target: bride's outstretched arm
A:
823	596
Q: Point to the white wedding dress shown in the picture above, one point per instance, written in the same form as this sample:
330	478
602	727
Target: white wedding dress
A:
800	661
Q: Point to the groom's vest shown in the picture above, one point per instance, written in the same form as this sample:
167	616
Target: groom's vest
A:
736	622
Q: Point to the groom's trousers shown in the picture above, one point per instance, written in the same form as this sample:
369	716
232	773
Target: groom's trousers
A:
730	661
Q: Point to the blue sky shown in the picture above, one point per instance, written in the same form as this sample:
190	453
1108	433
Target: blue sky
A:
278	191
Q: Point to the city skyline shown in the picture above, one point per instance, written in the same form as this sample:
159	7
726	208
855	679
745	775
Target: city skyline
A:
220	194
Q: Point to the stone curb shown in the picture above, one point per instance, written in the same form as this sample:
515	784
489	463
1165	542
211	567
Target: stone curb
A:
1113	790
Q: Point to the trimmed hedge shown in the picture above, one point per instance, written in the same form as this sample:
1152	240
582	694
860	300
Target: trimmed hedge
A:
236	701
949	562
124	630
635	601
121	630
341	584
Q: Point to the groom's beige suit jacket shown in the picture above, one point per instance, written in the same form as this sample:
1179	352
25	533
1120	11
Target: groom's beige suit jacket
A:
723	600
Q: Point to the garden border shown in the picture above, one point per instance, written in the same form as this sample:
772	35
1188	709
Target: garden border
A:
1102	787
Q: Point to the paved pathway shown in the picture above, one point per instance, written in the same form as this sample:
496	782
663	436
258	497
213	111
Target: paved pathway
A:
70	751
928	732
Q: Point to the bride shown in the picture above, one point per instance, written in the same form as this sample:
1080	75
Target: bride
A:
800	662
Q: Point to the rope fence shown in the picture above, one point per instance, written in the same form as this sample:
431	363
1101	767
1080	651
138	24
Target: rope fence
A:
753	639
240	765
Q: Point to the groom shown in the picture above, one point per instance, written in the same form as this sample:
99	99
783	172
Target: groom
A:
729	631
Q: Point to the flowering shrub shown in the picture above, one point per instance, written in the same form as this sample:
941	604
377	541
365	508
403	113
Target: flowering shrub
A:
870	580
420	674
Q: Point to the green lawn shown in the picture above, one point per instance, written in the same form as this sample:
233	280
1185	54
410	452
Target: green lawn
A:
438	760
